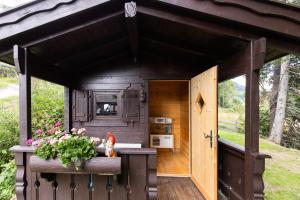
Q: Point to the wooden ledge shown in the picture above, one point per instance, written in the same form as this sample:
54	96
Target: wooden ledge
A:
22	149
97	165
130	151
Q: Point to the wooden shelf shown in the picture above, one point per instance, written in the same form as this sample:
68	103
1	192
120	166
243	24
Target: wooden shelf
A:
97	165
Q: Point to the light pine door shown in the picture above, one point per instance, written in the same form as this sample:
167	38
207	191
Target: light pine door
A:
204	132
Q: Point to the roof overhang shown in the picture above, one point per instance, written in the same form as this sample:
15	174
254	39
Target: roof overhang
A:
67	34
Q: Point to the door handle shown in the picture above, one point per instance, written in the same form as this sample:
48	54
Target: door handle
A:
210	136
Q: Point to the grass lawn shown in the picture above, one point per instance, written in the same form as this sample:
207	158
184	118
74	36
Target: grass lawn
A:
282	174
6	81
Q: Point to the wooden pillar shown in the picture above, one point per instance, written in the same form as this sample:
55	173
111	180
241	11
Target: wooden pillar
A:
20	59
253	167
68	108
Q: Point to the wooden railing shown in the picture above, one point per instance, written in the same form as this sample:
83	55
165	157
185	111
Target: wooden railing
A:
130	176
231	173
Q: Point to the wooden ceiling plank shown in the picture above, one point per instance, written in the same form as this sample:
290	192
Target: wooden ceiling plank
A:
178	48
77	57
75	28
252	13
201	25
41	68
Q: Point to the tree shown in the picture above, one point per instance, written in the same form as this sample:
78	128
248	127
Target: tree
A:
278	124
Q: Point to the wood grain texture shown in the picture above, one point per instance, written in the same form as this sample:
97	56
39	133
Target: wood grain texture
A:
204	123
177	189
170	99
97	165
142	172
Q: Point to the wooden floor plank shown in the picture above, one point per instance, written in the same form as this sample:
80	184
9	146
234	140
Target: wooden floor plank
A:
176	163
171	188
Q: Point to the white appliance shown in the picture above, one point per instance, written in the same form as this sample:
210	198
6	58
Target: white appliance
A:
161	141
161	120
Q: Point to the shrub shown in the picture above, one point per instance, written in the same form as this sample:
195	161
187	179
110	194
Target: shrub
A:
264	118
9	134
7	180
47	104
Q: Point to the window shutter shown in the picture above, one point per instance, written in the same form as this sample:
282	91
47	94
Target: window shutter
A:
131	106
81	106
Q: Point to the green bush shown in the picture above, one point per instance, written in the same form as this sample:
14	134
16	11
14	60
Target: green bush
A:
47	104
9	134
264	117
7	180
47	108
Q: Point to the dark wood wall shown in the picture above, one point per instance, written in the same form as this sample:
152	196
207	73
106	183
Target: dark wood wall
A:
122	74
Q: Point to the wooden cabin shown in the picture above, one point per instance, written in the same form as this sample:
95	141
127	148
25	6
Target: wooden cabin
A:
156	64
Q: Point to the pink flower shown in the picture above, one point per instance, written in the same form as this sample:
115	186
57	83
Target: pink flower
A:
95	140
73	130
29	142
51	131
39	131
58	124
53	141
81	131
65	137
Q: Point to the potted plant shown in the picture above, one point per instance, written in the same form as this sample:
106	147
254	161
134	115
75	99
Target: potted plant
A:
72	149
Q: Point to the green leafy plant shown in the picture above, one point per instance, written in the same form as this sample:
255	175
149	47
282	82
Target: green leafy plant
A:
46	151
7	180
76	150
71	149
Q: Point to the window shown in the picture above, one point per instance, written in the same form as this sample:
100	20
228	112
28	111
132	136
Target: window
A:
106	105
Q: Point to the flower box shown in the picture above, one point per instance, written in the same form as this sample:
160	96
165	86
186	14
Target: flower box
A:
96	165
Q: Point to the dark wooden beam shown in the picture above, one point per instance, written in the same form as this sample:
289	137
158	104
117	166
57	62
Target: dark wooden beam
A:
238	63
204	25
256	13
234	65
19	59
85	56
68	108
24	92
132	27
286	47
43	12
253	177
177	48
74	28
42	69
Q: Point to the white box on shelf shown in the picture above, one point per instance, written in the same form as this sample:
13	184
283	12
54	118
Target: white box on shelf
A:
162	141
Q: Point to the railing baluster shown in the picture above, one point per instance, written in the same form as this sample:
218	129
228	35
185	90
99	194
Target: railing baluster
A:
72	187
37	187
109	187
91	186
128	186
54	187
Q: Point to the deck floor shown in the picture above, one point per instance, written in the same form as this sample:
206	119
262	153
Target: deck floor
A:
169	163
171	188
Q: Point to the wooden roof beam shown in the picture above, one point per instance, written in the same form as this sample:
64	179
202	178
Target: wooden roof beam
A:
39	68
85	53
178	48
131	23
208	27
258	13
66	31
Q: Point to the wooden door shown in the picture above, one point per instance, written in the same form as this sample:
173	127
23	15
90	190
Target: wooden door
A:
204	132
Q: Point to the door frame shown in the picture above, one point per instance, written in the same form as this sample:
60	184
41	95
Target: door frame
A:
189	175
